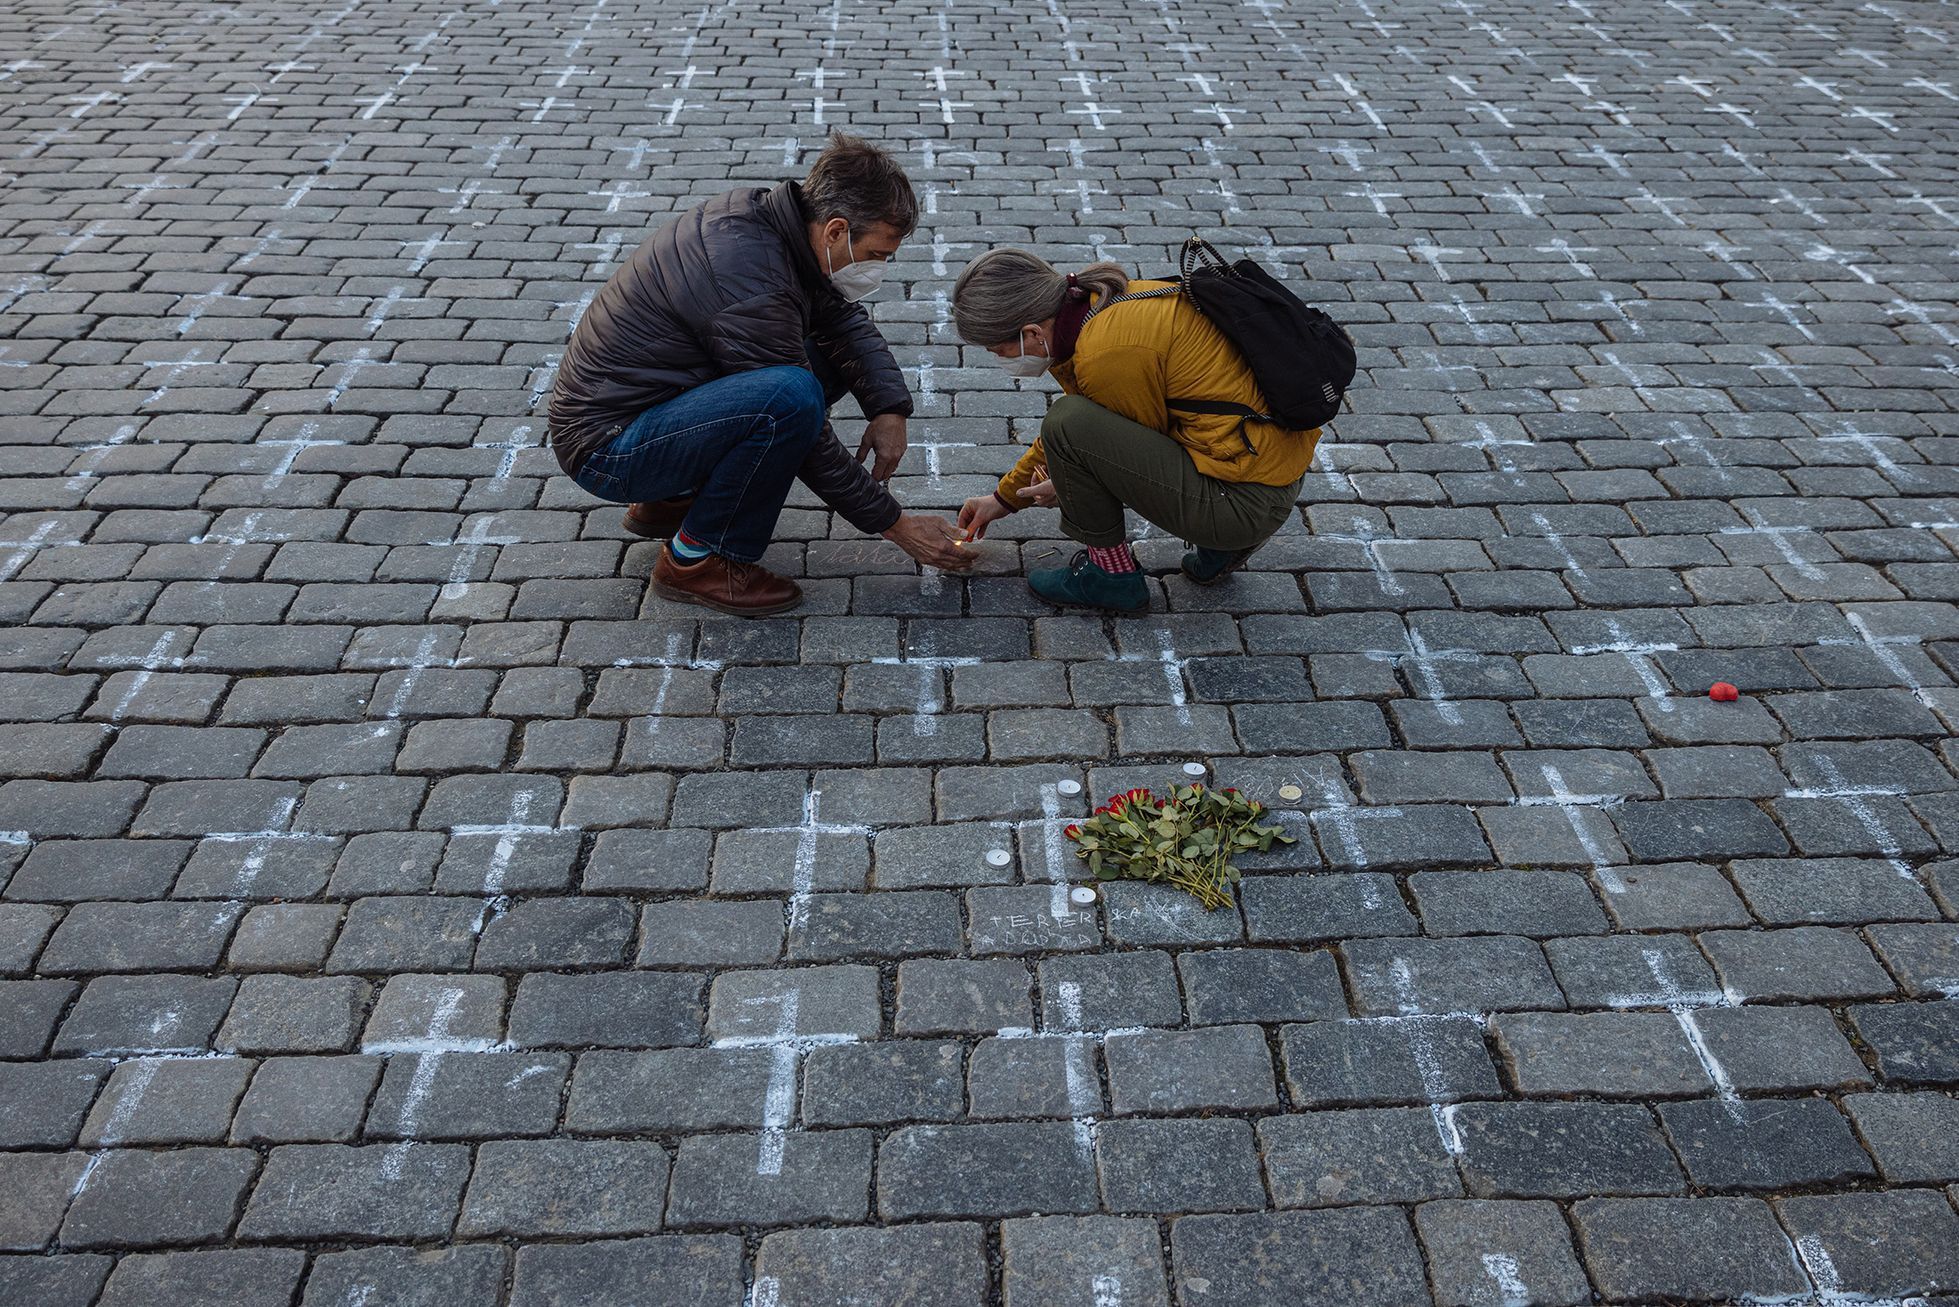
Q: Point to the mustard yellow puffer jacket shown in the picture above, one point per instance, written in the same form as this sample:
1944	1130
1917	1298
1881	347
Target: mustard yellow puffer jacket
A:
1132	358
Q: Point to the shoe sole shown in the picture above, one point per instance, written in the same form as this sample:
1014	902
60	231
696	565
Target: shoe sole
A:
680	596
1143	607
1238	566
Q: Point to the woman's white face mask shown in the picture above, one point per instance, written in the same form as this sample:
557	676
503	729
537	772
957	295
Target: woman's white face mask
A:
1025	364
854	280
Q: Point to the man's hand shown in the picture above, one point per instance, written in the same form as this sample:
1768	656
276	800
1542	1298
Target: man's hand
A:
978	513
931	541
884	435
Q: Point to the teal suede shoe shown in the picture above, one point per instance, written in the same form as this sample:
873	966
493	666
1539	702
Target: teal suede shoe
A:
1082	584
1210	566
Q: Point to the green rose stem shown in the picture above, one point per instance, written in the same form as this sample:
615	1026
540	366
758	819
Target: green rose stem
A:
1186	840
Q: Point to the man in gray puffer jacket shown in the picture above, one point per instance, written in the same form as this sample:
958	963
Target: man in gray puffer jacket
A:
697	386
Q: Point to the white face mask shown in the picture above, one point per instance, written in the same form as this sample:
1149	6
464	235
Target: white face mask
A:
1025	365
854	280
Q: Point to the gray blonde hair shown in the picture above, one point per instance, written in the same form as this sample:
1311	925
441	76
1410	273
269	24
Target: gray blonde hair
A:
1004	290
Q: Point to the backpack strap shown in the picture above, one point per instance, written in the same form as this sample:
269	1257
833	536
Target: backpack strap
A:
1199	255
1211	407
1224	408
1158	293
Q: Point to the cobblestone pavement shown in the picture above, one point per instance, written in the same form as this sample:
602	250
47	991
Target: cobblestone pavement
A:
400	907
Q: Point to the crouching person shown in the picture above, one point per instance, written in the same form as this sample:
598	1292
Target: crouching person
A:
1129	430
697	387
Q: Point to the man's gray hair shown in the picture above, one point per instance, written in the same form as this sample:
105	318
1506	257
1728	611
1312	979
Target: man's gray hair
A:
1004	290
856	181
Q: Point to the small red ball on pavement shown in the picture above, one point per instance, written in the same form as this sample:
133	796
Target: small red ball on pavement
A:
1722	692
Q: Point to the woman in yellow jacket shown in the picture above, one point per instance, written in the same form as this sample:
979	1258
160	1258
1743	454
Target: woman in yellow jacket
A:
1115	438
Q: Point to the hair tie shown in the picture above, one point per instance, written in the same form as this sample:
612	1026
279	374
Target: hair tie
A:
1075	292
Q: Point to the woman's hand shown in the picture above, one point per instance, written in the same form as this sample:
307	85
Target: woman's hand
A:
979	512
1041	493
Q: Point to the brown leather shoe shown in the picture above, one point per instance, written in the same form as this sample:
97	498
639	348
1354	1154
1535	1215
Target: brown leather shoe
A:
659	519
743	589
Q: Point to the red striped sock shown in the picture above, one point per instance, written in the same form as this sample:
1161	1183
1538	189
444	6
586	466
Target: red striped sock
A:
686	548
1115	559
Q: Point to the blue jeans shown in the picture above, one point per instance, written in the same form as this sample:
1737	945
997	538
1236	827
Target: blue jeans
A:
733	443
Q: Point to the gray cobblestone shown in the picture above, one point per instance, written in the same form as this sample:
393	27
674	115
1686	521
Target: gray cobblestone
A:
1730	1247
962	997
38	1186
1765	1145
930	1264
710	933
29	1012
333	1191
1372	1155
883	1084
205	1279
1387	1060
141	1199
1781	1048
145	1014
306	1100
821	1175
1808	963
1479	1250
837	1000
648	860
1223	986
1883	1244
983	1170
284	936
878	925
395	934
1299	1257
626	1009
1010	1078
671	1090
167	1101
1556	1150
408	1276
1063	1261
1909	1134
1602	1054
468	1096
1178	1166
1914	1042
556	933
1109	990
293	1014
1405	976
1182	1071
1312	909
333	717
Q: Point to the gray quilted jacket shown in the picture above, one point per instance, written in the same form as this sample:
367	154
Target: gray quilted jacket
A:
727	287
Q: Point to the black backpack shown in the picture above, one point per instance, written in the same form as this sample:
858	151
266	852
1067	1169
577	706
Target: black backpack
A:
1302	360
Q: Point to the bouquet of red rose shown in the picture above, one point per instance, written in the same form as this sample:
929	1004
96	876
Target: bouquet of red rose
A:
1186	840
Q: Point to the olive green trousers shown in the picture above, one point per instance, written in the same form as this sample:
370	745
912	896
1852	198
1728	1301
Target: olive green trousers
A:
1101	463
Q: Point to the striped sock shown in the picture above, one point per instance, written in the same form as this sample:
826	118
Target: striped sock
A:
1115	559
687	549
